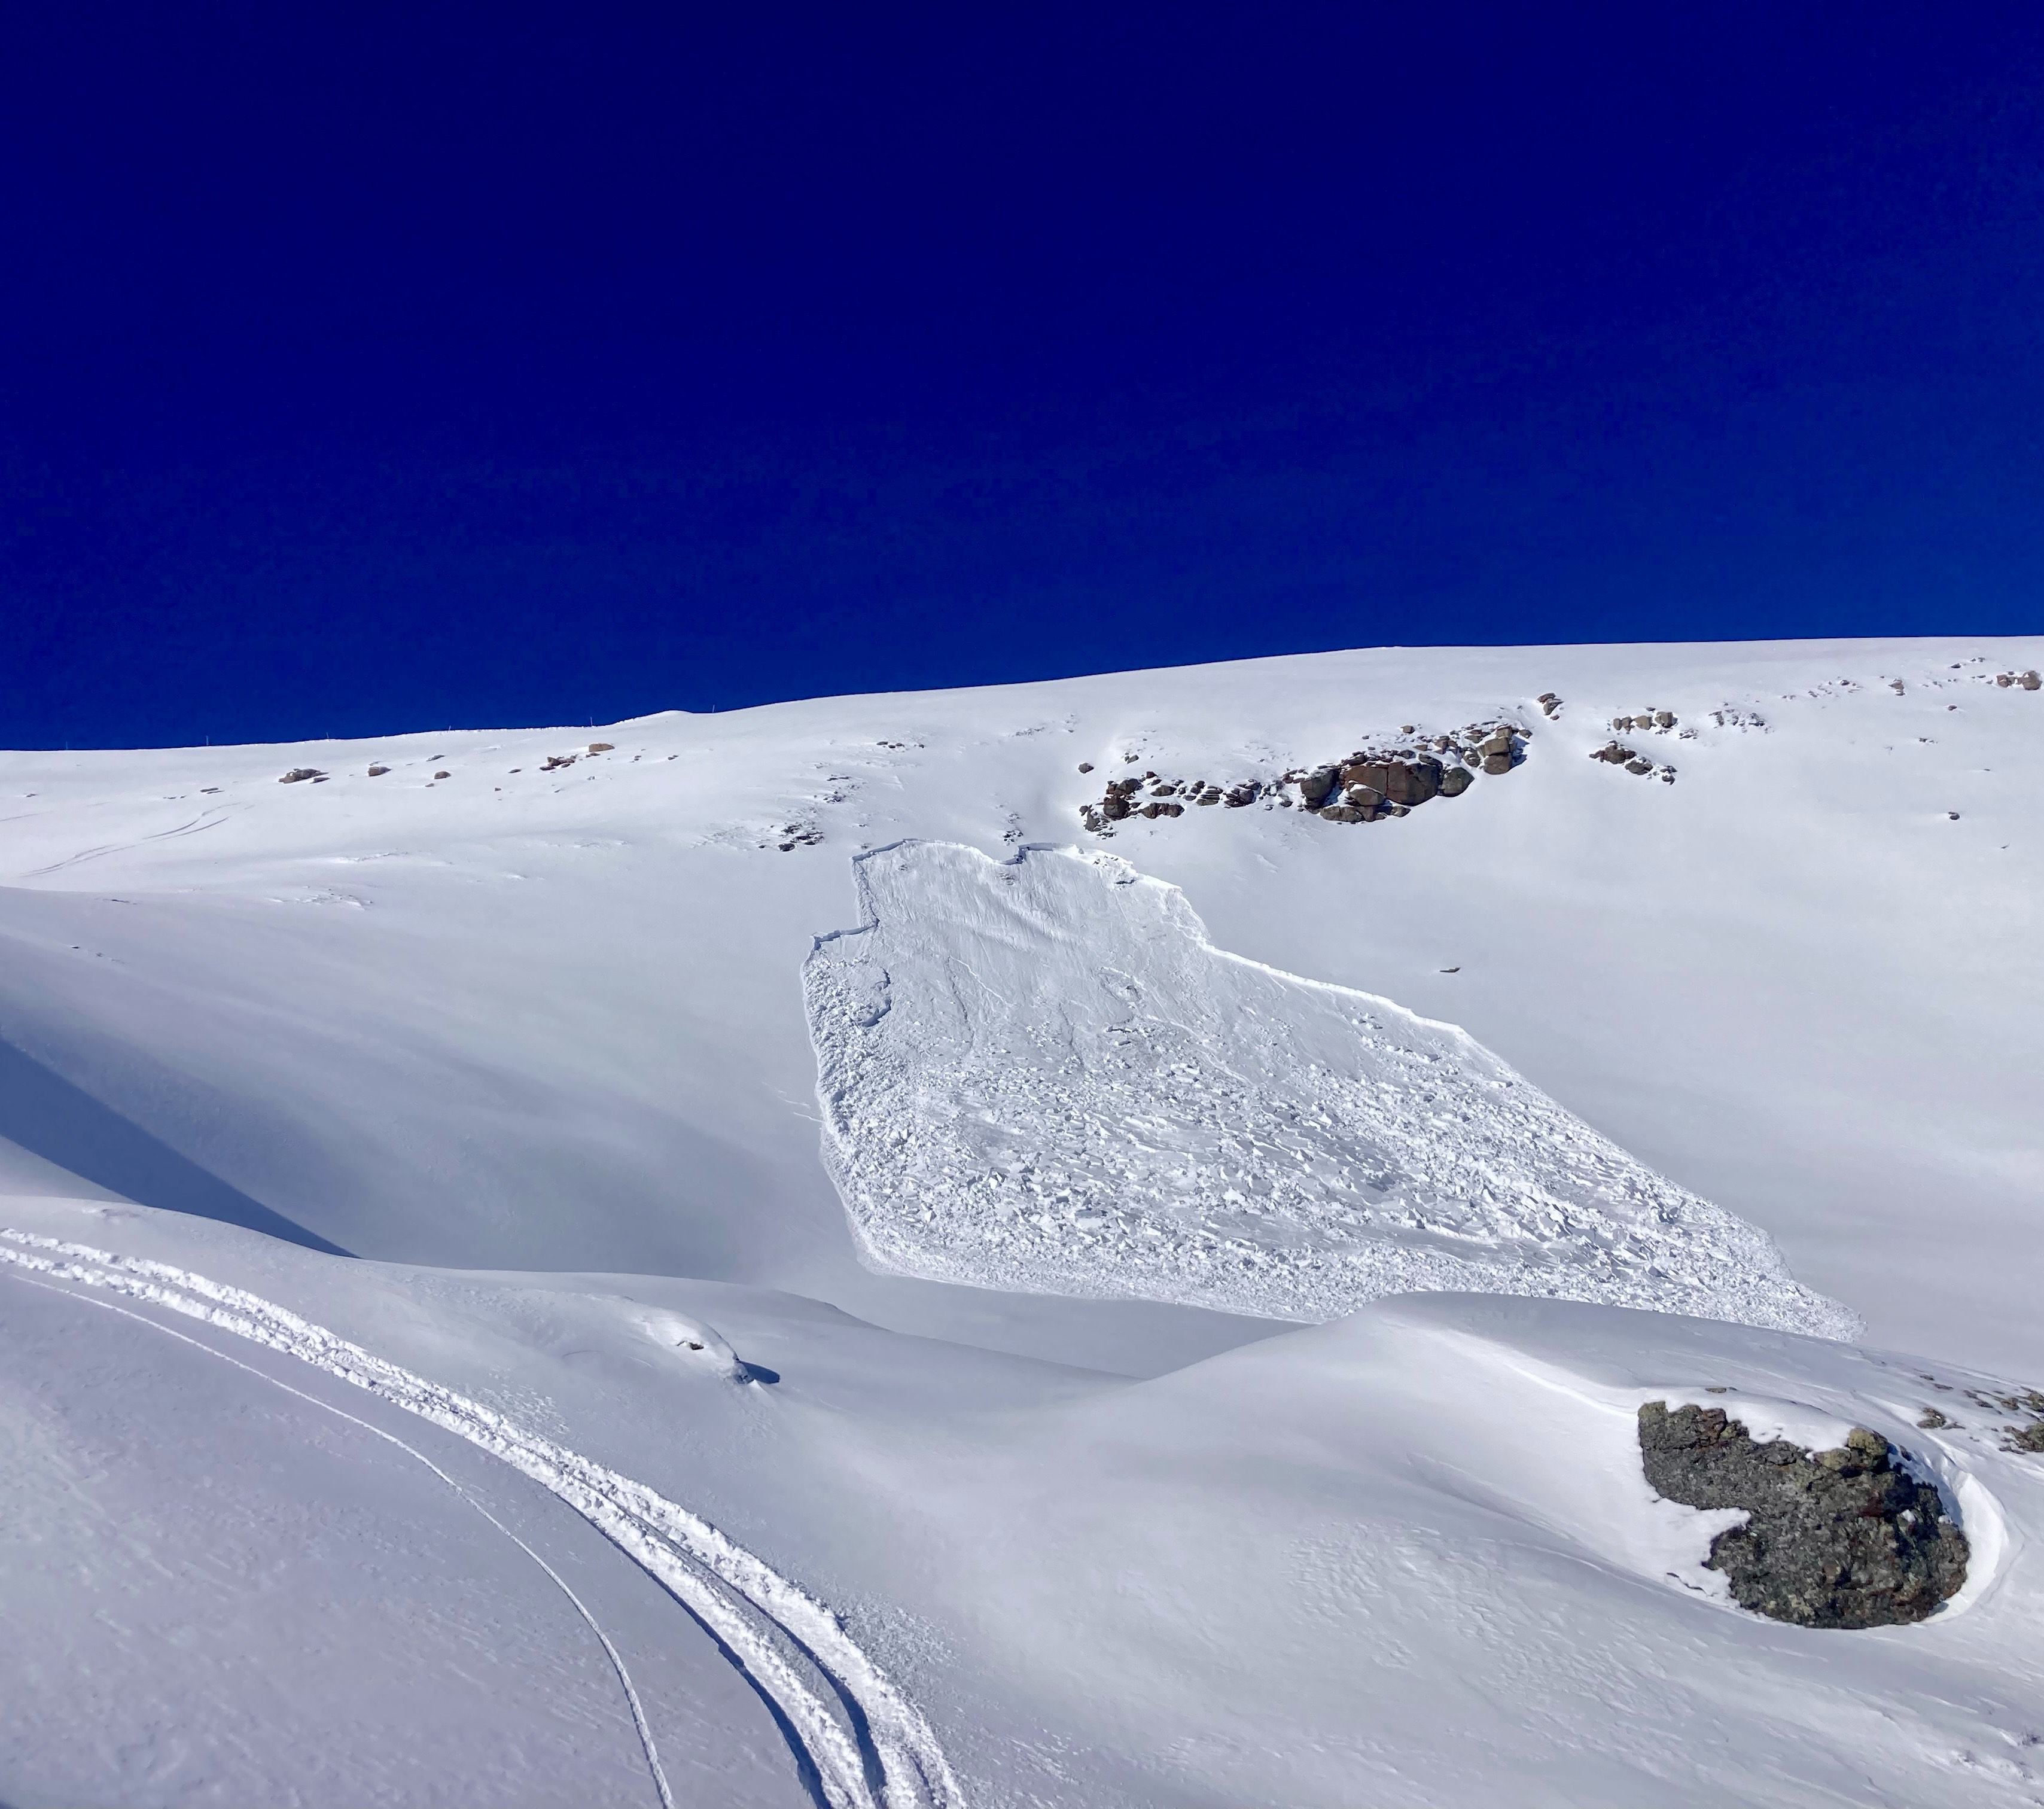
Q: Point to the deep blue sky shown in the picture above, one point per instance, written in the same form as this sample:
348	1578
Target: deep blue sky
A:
364	367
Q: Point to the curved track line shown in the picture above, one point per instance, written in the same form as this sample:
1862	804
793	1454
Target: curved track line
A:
616	1659
871	1751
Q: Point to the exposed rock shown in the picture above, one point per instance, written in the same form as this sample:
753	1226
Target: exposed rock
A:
1412	780
1085	765
1664	719
1497	763
1842	1538
1317	785
602	748
297	774
1455	781
1343	813
2028	680
1114	807
1636	765
443	775
1164	788
377	772
1239	795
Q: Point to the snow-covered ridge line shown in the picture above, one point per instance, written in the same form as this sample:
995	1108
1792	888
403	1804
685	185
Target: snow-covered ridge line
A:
870	1749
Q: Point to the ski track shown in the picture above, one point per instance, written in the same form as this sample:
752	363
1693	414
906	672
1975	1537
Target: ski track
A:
860	1744
618	1665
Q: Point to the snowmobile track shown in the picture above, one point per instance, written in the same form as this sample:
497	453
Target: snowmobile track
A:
860	1743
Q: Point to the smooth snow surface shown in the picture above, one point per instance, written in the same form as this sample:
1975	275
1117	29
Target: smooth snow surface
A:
436	1368
1040	1074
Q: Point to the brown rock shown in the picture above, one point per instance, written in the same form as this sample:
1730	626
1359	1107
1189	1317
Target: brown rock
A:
1497	763
377	772
2029	681
297	774
601	747
1455	781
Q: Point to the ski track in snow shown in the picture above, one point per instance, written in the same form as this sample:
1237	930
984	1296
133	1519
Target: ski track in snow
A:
1039	1074
860	1743
618	1665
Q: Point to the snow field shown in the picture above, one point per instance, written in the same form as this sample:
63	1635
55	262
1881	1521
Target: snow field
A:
1039	1074
864	1745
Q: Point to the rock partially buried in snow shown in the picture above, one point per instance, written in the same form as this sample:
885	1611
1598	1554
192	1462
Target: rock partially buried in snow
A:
695	1341
1839	1539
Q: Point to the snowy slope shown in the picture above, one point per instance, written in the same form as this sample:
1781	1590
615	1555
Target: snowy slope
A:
529	1045
1040	1074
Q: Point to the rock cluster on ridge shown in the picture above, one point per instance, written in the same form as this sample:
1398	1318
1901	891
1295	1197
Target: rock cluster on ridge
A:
1367	786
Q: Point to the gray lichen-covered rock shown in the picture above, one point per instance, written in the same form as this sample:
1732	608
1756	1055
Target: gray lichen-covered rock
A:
1842	1539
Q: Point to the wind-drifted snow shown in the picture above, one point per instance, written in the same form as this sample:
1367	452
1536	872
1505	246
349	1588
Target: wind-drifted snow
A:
1040	1074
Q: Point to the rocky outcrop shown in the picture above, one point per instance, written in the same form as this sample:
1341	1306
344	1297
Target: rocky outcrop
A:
1367	785
1839	1539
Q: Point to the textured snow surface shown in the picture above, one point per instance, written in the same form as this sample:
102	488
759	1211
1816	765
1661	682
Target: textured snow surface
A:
1039	1074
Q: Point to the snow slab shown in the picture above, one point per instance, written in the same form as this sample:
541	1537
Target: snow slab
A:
1040	1074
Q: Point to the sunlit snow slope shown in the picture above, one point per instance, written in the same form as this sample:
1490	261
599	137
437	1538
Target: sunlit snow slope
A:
1040	1074
438	1365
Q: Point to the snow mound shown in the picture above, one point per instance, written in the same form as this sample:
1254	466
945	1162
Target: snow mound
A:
1040	1075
